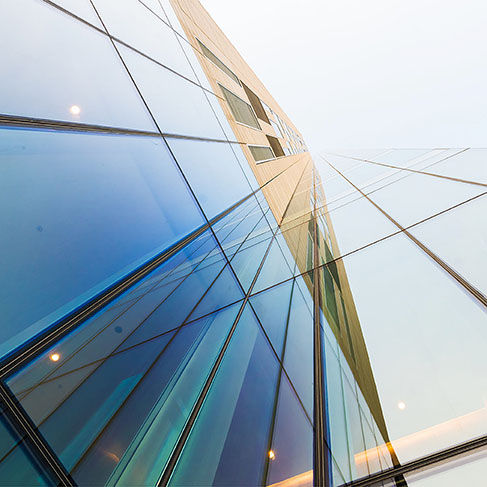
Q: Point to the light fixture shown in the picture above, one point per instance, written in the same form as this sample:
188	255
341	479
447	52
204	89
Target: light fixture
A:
54	357
272	455
401	405
75	110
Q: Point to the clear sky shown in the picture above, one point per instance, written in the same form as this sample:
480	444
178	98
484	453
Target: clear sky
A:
369	73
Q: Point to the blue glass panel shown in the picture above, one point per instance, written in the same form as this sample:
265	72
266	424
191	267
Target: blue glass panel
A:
291	454
17	466
298	356
213	172
179	106
90	206
336	413
236	229
224	291
72	54
247	260
272	308
275	268
117	419
244	163
135	25
229	442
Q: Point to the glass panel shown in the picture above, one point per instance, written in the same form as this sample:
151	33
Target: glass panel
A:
135	25
241	110
84	205
179	106
213	172
298	356
261	154
17	466
71	53
229	443
272	309
468	164
274	270
468	470
356	224
417	196
459	237
118	421
81	8
291	454
419	354
215	60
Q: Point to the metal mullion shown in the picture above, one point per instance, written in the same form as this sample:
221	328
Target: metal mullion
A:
417	171
36	443
468	287
171	464
363	247
421	464
322	468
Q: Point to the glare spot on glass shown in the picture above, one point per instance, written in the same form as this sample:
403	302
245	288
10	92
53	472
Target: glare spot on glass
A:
54	357
401	405
75	110
272	455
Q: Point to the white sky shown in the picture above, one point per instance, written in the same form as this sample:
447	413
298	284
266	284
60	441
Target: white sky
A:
369	73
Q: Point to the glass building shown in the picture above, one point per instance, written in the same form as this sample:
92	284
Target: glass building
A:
188	299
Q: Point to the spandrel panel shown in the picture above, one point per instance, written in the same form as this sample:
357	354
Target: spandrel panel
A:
291	454
81	8
423	353
178	105
18	467
229	442
459	237
120	422
135	25
77	204
80	78
419	196
213	173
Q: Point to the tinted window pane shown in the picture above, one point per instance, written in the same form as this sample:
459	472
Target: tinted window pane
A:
229	443
80	78
213	172
82	205
116	420
291	454
17	466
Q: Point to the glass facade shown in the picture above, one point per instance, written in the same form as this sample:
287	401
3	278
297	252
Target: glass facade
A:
176	314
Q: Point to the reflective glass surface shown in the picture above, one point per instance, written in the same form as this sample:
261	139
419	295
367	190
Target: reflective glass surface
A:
229	443
80	78
135	25
213	172
18	466
84	205
179	106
